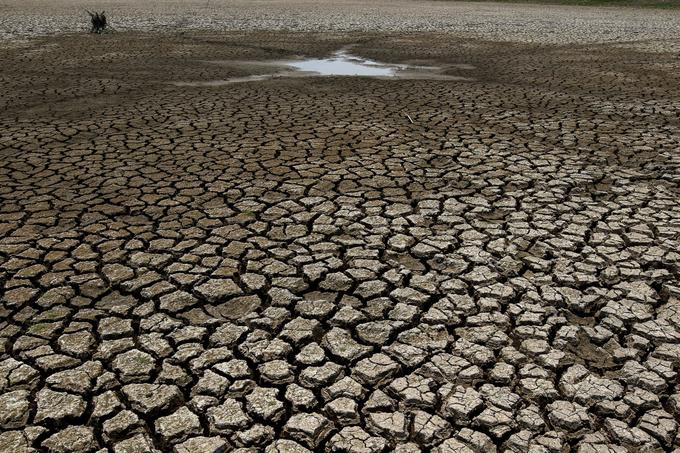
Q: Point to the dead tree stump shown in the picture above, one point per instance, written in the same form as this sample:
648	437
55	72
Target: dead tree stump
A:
98	22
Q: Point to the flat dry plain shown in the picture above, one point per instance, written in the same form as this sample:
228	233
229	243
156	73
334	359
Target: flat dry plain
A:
291	265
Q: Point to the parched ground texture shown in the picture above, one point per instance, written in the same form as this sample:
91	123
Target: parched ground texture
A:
292	266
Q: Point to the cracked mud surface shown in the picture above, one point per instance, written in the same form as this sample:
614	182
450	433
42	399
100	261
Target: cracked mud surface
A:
293	266
493	21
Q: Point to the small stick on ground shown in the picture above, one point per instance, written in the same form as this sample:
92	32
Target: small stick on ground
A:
409	118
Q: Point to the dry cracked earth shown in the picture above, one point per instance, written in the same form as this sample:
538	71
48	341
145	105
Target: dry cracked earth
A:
292	266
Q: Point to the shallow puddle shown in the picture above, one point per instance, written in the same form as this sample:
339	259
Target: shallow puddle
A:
344	64
341	63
